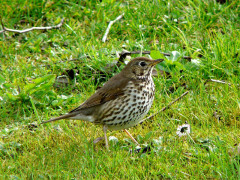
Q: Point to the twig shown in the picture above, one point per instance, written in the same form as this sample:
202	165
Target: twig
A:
32	28
217	81
221	82
109	26
166	107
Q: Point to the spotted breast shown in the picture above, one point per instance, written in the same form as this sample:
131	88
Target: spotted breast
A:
127	111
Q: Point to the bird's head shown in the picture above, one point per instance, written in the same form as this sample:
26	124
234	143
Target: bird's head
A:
140	68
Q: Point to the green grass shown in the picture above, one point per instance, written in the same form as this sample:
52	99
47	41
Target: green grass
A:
30	62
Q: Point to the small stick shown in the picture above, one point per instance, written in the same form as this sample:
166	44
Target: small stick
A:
166	107
217	81
32	28
109	26
131	136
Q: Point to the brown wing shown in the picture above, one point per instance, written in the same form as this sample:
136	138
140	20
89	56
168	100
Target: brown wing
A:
110	91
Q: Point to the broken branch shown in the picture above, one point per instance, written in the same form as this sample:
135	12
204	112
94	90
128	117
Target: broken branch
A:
217	81
32	28
109	26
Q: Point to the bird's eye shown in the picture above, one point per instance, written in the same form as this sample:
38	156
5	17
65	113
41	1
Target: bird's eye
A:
142	63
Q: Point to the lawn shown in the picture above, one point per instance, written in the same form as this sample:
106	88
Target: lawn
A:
47	73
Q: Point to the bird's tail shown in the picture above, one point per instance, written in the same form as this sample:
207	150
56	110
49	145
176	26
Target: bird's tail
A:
66	116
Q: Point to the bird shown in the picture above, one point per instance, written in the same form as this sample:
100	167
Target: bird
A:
122	101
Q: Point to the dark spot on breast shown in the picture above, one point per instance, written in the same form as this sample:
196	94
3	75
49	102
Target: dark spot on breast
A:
130	113
126	122
117	112
125	111
122	108
124	117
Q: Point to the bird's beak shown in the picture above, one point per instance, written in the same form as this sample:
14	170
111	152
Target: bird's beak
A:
157	61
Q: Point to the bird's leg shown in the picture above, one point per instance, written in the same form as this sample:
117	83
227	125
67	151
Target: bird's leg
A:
131	136
105	136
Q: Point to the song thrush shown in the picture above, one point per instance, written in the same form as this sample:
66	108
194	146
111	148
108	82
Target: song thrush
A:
123	100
